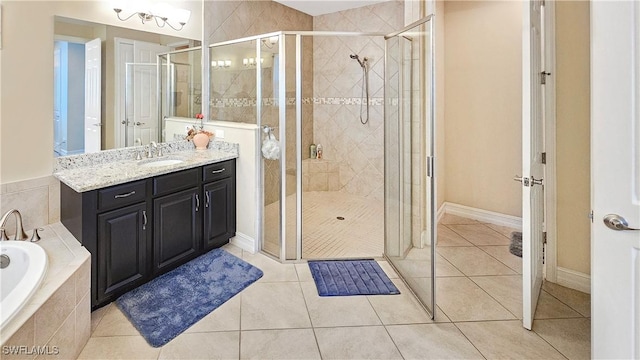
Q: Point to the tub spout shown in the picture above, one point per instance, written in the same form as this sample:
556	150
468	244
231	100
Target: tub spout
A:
20	234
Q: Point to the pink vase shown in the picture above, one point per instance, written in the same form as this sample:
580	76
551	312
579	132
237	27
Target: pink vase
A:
201	141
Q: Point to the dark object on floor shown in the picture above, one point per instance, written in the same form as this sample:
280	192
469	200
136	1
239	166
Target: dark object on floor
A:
516	243
168	305
351	277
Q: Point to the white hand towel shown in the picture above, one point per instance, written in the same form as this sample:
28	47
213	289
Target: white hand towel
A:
271	148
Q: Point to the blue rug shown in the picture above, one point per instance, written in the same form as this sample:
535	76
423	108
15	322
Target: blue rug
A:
351	277
167	305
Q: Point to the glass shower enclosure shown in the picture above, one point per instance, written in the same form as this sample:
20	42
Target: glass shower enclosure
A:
410	226
267	80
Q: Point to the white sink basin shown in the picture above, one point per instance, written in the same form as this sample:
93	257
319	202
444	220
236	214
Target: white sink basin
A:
159	162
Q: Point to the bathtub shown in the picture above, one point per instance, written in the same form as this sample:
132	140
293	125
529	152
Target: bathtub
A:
27	265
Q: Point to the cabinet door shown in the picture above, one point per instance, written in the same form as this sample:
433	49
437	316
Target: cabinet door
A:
176	229
123	236
219	212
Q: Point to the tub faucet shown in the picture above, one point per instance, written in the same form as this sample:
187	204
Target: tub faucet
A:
20	234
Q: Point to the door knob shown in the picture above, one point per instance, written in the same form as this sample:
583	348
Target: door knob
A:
139	123
616	222
535	181
523	180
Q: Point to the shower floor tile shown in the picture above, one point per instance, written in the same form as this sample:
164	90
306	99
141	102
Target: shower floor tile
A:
358	233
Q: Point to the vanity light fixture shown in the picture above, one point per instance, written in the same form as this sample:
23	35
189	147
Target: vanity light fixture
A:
220	63
269	42
251	61
161	13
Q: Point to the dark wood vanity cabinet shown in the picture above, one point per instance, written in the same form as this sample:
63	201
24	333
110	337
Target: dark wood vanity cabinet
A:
176	229
139	230
219	204
123	240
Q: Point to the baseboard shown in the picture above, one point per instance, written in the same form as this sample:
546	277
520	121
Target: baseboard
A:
244	242
573	280
441	212
482	215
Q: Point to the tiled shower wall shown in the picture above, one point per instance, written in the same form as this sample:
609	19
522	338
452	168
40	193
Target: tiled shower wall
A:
358	148
246	18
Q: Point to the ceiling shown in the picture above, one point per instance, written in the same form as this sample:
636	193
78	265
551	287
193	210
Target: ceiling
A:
321	7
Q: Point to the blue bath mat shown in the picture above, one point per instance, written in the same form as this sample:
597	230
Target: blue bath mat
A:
167	305
351	277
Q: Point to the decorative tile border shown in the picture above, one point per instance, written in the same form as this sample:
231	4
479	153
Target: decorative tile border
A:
251	102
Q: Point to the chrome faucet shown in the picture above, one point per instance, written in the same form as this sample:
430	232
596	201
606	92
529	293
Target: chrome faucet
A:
20	234
152	145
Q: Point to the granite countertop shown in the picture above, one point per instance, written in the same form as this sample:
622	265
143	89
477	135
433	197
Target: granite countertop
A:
112	167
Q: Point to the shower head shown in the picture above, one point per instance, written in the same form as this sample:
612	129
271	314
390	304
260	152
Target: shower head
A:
361	62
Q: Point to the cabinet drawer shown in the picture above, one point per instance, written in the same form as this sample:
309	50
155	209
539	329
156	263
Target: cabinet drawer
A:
120	195
218	171
173	182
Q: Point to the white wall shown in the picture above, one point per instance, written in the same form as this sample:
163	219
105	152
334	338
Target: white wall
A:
247	174
27	75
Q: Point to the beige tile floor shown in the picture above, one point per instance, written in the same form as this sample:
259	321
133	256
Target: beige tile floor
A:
282	317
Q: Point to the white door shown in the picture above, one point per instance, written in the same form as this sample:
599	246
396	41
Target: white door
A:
532	167
57	99
615	176
137	107
92	96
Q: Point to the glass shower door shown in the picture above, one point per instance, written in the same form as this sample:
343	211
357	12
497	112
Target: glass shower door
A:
409	158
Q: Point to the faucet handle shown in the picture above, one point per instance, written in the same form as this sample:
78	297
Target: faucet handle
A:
3	234
35	237
159	153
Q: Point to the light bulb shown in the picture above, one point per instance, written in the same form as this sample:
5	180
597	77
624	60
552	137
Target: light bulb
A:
181	15
162	10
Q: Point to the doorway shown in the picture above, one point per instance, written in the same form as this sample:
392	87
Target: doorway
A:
69	97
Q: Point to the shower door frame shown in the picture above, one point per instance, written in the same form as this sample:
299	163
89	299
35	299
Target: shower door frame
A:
299	35
282	118
429	160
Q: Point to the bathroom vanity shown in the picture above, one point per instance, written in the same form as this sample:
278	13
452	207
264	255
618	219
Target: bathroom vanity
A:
137	230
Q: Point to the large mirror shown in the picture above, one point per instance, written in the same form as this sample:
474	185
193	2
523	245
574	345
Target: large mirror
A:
113	86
